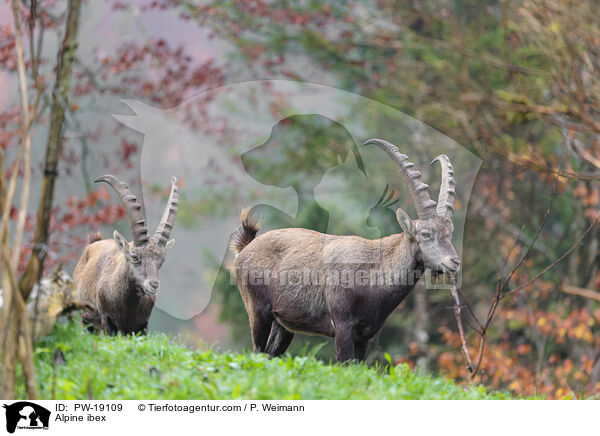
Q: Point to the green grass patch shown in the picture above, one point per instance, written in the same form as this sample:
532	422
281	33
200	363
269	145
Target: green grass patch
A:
156	366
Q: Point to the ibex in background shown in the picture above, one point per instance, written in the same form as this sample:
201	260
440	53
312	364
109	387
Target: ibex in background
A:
295	280
117	279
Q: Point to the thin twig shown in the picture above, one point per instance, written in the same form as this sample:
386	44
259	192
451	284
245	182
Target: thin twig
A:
470	310
582	292
556	262
26	140
537	234
10	192
513	246
22	318
499	295
461	329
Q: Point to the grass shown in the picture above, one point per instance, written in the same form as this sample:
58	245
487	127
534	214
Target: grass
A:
155	366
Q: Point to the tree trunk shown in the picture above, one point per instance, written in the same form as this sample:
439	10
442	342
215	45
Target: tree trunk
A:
8	346
60	100
17	340
25	142
18	323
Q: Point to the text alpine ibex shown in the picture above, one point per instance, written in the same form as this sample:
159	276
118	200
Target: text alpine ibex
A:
298	280
118	280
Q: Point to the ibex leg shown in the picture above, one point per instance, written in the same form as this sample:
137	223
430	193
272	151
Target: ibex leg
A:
344	343
360	349
260	327
279	339
108	326
91	320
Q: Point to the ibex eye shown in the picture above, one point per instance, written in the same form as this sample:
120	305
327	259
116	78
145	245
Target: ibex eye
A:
426	235
135	258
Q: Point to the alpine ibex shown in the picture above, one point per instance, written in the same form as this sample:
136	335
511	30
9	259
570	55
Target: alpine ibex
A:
298	280
117	279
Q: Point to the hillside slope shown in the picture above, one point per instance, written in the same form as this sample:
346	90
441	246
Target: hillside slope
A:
155	366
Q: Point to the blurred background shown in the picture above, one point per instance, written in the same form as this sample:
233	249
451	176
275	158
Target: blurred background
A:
265	104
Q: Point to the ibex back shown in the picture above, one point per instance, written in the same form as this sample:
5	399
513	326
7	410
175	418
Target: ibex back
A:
298	280
118	280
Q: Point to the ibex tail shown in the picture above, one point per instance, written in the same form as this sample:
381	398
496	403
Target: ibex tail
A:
94	237
246	234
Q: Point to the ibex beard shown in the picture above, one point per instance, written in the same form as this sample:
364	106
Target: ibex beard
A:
347	301
118	280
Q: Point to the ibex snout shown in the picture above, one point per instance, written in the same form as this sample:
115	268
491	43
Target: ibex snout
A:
151	286
451	263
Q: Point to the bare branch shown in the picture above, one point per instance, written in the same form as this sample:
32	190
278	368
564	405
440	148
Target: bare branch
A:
57	116
500	293
461	329
26	140
556	262
21	316
537	234
582	292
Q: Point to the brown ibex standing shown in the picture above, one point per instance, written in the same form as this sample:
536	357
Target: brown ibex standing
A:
298	280
117	279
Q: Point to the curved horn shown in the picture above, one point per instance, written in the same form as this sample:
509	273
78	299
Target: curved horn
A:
445	205
137	222
417	188
163	231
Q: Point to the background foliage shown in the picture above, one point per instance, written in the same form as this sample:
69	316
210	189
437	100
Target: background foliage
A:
516	82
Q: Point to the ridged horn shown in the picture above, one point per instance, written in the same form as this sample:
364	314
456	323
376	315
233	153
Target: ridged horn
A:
133	209
419	190
445	205
163	231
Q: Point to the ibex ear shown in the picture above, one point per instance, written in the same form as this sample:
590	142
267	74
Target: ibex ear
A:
169	244
121	241
406	223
